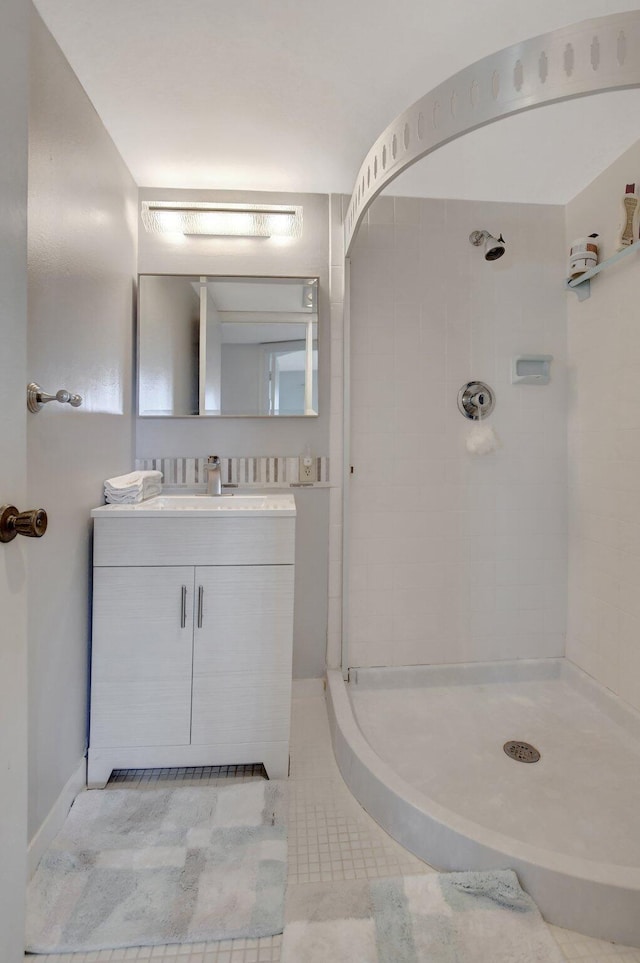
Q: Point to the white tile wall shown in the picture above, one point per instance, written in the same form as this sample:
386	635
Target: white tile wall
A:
454	557
604	436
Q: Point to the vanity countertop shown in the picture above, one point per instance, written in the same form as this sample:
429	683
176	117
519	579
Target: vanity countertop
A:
163	506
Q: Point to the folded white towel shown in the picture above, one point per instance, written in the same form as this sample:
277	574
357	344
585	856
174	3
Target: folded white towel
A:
134	487
131	498
134	480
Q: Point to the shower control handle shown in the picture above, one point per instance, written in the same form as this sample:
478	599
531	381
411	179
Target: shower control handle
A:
476	400
32	523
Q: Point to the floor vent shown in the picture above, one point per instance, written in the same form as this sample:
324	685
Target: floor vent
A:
521	751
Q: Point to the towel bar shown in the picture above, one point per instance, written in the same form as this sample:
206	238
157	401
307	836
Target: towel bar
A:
36	397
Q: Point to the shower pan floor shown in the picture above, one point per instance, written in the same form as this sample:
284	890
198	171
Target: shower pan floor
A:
421	748
583	796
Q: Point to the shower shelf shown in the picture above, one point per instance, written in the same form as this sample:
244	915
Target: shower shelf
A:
582	284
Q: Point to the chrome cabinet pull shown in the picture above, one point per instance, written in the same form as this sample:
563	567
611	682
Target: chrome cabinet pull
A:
183	610
200	605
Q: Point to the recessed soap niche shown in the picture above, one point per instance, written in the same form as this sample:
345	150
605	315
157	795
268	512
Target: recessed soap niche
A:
531	369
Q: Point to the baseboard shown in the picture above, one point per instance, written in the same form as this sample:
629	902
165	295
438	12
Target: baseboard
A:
57	815
307	688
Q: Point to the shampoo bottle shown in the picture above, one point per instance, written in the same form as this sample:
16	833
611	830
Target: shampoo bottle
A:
630	203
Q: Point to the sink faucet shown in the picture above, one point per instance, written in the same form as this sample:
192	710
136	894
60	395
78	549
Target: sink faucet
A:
214	481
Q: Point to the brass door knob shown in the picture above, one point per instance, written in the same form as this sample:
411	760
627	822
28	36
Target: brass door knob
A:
32	523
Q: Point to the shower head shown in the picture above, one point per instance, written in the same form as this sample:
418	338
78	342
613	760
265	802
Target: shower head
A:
493	247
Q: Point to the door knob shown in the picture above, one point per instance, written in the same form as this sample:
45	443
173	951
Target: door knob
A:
32	523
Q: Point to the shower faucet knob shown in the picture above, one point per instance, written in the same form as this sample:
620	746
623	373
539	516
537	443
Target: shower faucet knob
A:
32	523
476	400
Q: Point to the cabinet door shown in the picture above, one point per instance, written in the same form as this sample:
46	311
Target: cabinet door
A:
242	654
142	656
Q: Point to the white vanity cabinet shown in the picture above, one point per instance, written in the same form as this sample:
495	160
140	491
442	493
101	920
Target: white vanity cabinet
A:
192	634
141	661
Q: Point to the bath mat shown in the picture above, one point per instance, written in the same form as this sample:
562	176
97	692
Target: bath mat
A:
434	918
183	865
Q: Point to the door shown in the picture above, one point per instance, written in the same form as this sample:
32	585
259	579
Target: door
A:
141	656
242	654
13	381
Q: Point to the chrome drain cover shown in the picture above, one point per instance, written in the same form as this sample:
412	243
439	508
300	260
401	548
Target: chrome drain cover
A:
521	751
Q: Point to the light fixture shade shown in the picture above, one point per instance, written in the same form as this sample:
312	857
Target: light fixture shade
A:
235	220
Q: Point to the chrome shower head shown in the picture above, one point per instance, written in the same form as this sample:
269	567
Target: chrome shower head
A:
493	247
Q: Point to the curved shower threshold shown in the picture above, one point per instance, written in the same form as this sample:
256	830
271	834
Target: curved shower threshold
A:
592	896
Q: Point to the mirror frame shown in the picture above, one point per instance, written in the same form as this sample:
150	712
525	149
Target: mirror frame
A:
239	277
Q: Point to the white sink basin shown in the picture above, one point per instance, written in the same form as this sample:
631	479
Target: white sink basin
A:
218	503
163	505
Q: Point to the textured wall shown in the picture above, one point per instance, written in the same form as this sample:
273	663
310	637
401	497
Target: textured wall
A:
455	557
82	262
604	432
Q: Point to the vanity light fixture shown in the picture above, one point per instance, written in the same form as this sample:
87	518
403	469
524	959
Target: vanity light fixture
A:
229	220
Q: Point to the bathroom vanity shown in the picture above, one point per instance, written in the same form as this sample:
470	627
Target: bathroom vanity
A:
192	633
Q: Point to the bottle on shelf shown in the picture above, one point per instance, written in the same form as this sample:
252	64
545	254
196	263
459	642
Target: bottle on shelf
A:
630	204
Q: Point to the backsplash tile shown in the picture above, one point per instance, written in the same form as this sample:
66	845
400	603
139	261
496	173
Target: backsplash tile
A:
260	471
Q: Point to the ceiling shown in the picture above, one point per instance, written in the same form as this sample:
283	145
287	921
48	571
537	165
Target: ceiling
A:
288	95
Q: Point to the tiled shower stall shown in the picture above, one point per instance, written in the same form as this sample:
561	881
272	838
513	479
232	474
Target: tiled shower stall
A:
455	557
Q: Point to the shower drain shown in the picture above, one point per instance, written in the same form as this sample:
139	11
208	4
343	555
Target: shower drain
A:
521	751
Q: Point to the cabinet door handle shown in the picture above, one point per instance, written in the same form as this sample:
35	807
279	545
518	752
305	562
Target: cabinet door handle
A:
183	609
200	605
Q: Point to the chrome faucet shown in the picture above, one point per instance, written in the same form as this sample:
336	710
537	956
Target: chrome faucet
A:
214	480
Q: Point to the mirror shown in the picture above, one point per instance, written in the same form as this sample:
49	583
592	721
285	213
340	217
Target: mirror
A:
227	346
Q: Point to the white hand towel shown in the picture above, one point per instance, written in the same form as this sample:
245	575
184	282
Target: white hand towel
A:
482	439
134	487
133	480
132	497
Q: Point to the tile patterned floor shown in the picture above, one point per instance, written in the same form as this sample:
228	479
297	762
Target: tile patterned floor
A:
330	838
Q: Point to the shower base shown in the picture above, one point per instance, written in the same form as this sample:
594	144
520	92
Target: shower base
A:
421	748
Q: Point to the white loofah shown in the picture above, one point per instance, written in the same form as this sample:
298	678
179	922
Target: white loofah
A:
482	439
